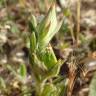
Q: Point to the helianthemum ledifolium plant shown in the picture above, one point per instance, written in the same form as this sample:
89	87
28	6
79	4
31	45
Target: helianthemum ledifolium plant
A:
45	66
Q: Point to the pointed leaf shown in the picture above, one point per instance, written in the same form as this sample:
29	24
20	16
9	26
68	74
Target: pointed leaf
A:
2	83
33	42
47	39
32	24
33	20
23	71
49	19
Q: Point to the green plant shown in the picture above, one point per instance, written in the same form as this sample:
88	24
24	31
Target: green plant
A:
45	66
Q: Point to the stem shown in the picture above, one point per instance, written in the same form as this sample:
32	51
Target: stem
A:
78	21
70	25
71	29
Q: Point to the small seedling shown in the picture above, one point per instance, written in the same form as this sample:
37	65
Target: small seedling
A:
45	66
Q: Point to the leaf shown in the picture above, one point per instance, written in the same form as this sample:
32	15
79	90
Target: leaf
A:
44	32
52	33
2	83
51	20
23	71
33	20
20	74
48	57
39	63
53	72
33	42
38	67
32	24
49	90
61	87
92	90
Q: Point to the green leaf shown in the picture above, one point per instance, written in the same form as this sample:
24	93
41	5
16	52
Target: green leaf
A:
32	42
51	20
2	83
33	20
23	71
62	87
21	74
32	24
49	90
92	91
38	67
51	34
39	63
48	57
53	72
44	33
